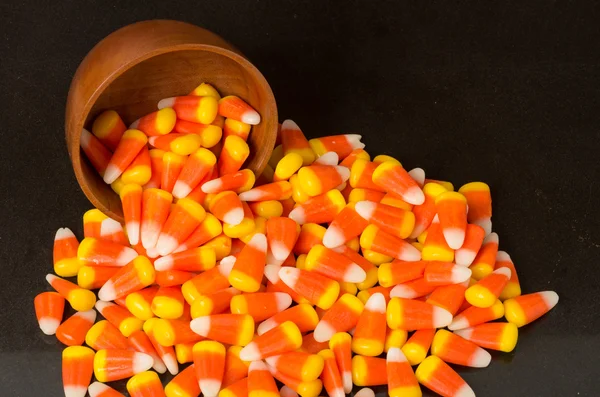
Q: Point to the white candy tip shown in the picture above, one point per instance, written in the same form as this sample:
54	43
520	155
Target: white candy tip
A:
418	174
289	125
159	366
289	275
166	103
166	244
480	359
376	303
142	362
181	189
133	232
329	158
272	273
101	305
250	195
89	315
334	237
200	325
152	252
455	237
49	325
365	209
111	174
365	392
491	238
107	293
257	366
355	274
464	257
343	172
234	216
279	250
402	291
97	389
297	214
486	225
410	254
458	323
460	274
50	278
464	333
171	364
86	136
395	355
250	352
126	256
414	195
259	242
134	125
323	331
503	256
282	301
550	297
464	391
211	186
338	392
75	391
63	233
251	117
441	317
504	271
209	387
164	263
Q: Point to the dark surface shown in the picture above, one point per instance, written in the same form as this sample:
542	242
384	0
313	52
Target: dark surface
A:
505	94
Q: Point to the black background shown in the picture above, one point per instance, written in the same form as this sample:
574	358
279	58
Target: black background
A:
507	94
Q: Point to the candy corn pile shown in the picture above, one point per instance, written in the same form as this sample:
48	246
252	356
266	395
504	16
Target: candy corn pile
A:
329	270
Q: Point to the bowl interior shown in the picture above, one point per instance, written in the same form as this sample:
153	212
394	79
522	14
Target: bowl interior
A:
137	91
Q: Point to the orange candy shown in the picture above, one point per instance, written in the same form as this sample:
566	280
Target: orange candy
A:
248	269
129	146
394	179
172	164
260	305
400	376
232	329
227	207
319	290
196	167
209	364
319	209
260	381
72	332
77	369
369	336
111	365
108	128
438	376
345	226
452	211
49	308
184	384
454	349
341	317
281	339
235	108
303	315
156	167
294	141
479	200
331	377
119	317
281	190
95	151
373	238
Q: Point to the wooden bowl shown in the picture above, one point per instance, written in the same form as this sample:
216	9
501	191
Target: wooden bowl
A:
138	65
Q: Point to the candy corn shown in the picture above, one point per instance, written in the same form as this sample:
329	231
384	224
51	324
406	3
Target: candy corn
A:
524	309
303	315
104	335
232	329
479	201
235	108
272	191
294	141
454	349
240	181
373	238
513	287
452	212
281	339
108	127
300	365
156	123
494	336
436	375
95	151
483	264
72	332
393	178
487	290
49	308
343	145
80	299
139	273
77	369
368	371
331	377
260	305
209	364
410	315
145	384
111	365
319	290
474	316
98	389
319	209
142	343
235	368
369	336
248	269
260	381
417	346
345	226
341	317
195	168
129	146
400	376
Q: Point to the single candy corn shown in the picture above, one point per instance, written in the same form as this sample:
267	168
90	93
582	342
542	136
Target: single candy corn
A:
197	109
232	329
412	289
334	265
213	303
444	273
479	200
240	181
77	369
495	336
96	252
95	151
483	264
260	381
399	272
310	234
449	297
319	179
98	389
237	128
474	236
156	123
272	191
166	353
413	315
341	317
139	273
369	335
436	375
474	316
261	305
235	151
452	212
227	207
209	281
49	308
156	204
303	315
369	371
343	145
104	335
184	384
206	231
119	317
235	368
184	218
236	389
145	384
139	303
72	332
209	364
345	226
513	287
319	209
142	343
373	238
435	247
487	290
156	168
168	303
65	259
111	365
417	346
129	146
172	164
331	377
319	290
282	234
235	108
340	345
108	127
361	175
80	299
300	365
281	339
455	350
400	376
354	155
393	178
248	269
525	309
294	141
304	389
181	144
395	221
193	260
196	167
131	199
